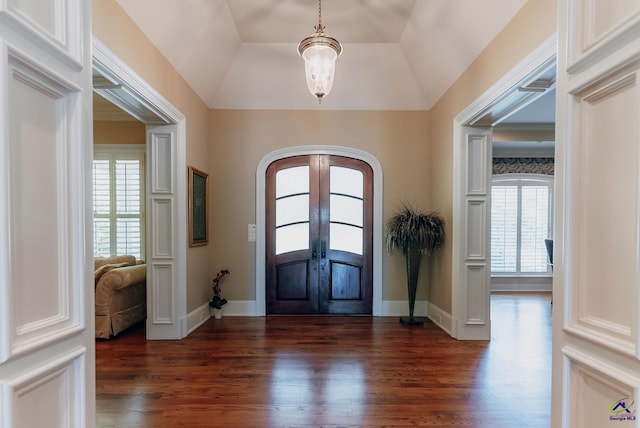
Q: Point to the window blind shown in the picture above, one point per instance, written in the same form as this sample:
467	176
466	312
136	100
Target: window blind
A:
118	209
504	229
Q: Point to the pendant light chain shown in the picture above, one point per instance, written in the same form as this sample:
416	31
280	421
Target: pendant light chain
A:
320	28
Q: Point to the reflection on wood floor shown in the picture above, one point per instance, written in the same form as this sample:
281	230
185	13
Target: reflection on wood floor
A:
332	371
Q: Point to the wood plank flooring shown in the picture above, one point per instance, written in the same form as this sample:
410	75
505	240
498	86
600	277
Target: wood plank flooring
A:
332	372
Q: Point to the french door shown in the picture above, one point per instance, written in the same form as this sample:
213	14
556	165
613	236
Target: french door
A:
319	236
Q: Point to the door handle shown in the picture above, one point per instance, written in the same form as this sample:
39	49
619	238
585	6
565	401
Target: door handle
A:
314	249
323	250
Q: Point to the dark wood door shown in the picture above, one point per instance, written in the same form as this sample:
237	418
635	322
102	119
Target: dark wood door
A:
319	236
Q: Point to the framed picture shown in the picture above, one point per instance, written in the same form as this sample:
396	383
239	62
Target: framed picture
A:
198	207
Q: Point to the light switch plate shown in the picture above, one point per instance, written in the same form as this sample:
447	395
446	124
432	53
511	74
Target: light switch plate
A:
251	232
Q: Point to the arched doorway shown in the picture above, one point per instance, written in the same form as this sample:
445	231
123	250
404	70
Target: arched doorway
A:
260	308
319	240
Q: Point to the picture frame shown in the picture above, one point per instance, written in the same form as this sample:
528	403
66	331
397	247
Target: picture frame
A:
198	207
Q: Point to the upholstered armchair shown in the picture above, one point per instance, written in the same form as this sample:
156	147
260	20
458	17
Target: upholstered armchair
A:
120	294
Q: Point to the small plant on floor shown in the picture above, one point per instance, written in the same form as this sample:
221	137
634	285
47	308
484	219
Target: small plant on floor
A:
217	302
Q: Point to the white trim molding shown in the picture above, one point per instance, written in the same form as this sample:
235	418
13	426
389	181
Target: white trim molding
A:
440	317
522	283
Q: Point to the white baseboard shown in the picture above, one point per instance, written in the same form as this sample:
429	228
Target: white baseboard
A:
422	308
516	284
240	308
440	318
390	308
235	308
197	317
400	308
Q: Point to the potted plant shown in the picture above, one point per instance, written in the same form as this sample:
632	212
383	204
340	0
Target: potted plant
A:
416	234
217	301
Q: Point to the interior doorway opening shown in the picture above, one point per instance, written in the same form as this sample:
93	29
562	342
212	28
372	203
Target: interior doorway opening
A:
472	157
166	201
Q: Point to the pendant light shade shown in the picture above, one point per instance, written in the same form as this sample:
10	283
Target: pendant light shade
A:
319	52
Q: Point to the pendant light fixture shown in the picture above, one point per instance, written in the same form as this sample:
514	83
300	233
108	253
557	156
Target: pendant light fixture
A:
319	52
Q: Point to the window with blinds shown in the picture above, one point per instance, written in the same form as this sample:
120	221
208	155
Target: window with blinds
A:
521	208
118	202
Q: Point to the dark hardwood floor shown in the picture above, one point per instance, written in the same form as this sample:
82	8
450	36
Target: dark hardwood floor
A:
286	371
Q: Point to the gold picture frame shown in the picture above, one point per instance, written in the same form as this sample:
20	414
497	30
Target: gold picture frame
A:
198	207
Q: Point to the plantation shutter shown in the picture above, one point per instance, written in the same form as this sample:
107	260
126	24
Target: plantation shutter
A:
504	229
128	207
534	226
520	216
118	206
101	208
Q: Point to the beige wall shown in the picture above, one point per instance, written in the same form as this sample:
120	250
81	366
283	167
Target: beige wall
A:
231	150
416	157
113	27
240	139
118	132
534	24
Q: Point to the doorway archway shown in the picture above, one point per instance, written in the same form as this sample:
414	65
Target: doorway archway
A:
166	230
470	277
260	292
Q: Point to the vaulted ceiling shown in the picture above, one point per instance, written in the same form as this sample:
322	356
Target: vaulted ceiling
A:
398	54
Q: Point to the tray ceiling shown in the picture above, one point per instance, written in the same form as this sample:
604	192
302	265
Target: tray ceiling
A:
398	54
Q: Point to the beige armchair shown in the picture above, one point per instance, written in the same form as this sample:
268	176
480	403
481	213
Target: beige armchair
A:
120	294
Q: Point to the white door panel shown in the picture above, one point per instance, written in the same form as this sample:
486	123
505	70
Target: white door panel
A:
46	270
596	366
36	163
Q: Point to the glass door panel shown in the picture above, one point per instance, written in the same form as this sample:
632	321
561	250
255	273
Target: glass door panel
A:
345	238
346	181
346	209
291	181
292	209
294	237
